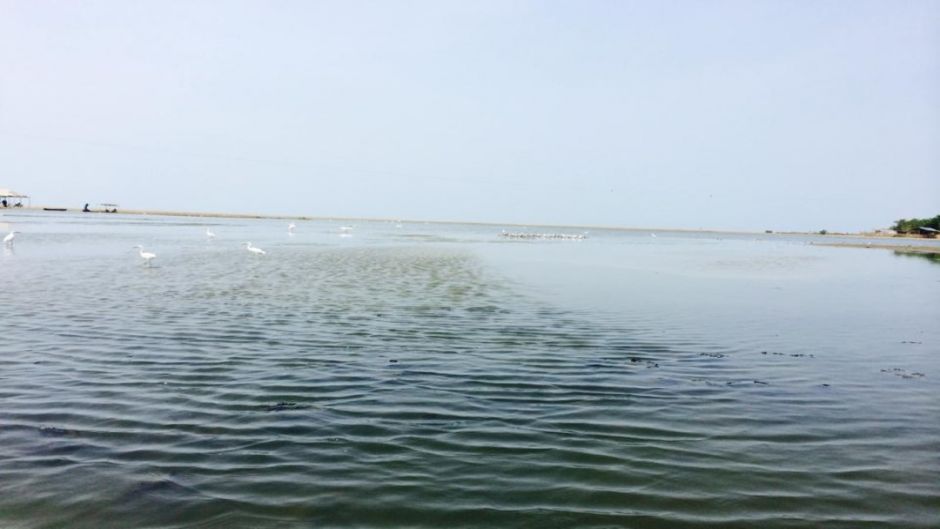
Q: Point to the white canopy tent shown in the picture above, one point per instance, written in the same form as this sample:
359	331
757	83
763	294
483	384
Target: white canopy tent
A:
7	194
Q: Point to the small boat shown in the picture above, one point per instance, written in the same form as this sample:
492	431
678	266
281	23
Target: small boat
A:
54	209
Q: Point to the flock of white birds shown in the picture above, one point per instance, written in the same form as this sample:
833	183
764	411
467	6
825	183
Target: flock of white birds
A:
210	235
147	257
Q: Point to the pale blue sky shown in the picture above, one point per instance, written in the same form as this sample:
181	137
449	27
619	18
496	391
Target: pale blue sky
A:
736	115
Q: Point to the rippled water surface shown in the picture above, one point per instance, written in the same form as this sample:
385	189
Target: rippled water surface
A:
441	376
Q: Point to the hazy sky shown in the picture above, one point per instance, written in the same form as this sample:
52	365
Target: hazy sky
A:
793	114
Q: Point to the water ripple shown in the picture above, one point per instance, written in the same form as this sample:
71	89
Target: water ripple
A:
409	386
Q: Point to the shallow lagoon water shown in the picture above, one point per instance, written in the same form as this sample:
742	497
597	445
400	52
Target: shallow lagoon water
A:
440	376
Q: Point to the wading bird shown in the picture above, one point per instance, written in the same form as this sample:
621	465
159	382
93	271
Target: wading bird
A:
252	249
291	227
146	256
209	234
8	240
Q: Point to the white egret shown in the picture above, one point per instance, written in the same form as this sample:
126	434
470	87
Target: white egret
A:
146	256
8	240
254	250
209	234
290	228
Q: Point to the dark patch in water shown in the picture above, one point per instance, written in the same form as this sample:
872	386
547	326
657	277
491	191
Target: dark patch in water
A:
283	406
903	373
712	355
53	431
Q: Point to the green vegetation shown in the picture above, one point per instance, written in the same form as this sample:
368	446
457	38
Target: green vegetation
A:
912	225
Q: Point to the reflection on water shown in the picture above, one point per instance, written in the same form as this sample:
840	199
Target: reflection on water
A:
439	377
932	257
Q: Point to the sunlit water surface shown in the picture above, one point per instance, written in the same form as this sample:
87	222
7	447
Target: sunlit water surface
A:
442	376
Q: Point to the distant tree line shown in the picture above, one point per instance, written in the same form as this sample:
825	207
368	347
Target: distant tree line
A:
912	225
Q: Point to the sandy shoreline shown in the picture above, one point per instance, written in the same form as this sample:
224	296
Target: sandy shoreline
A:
209	215
907	248
219	215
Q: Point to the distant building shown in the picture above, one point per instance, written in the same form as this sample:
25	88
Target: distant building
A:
929	233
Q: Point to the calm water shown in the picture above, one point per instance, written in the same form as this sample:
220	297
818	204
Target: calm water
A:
438	376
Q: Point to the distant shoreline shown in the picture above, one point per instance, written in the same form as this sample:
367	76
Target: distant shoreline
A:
210	215
910	248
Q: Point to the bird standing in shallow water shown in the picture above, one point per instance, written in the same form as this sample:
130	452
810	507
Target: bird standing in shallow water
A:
252	249
8	240
291	227
209	234
146	256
